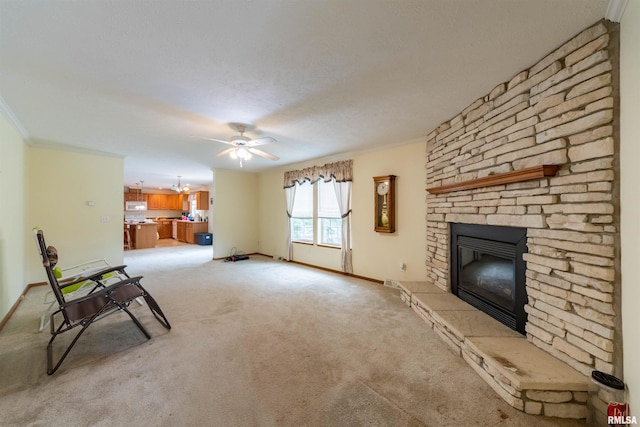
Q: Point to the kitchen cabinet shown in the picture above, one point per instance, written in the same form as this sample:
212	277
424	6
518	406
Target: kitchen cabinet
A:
143	235
181	231
156	201
176	202
202	200
195	227
135	196
187	230
164	202
169	202
164	228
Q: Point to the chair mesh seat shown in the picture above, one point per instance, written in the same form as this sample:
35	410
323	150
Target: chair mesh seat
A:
104	297
84	308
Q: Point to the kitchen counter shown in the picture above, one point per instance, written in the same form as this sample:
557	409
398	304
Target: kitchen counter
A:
187	230
143	234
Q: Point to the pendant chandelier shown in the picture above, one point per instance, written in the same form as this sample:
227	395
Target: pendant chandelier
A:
140	204
179	188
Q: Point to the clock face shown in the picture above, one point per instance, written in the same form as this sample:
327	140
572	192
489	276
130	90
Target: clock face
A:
383	188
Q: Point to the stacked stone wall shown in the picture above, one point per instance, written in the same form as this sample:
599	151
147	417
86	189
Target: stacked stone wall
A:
562	111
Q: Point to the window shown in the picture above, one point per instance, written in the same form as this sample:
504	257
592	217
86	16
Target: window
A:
302	215
316	208
329	218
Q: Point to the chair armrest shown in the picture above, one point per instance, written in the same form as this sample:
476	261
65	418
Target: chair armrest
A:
97	275
80	280
91	265
84	269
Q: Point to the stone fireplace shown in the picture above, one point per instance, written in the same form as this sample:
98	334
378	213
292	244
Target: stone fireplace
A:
562	111
488	270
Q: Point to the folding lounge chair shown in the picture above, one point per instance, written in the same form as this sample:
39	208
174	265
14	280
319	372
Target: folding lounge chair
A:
103	299
73	274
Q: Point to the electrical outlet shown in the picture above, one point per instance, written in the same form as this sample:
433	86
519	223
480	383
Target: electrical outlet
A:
403	266
105	218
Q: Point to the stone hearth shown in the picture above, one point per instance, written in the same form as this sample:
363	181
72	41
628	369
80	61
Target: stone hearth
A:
562	111
525	376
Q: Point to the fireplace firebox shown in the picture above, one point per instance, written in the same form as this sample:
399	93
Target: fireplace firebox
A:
488	270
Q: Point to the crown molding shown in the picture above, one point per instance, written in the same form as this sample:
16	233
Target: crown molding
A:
12	119
615	10
50	145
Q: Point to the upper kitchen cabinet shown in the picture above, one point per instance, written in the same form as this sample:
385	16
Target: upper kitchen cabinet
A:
185	203
202	200
156	201
164	202
135	195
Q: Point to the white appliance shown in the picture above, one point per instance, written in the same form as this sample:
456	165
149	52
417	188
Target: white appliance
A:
135	206
174	229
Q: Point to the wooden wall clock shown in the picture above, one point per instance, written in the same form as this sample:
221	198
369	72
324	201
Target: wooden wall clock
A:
385	203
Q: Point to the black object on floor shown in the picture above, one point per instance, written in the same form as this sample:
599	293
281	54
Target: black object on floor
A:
235	258
204	239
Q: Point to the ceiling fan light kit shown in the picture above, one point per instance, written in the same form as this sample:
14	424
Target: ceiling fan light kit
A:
243	148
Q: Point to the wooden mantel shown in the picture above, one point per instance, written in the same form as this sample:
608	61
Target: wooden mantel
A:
526	174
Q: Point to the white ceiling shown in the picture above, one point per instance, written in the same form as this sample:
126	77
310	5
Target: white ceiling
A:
140	79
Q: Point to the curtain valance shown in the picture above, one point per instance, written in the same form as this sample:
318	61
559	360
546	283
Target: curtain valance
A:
341	171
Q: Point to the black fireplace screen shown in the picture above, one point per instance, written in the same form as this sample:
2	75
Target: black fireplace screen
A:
488	271
488	276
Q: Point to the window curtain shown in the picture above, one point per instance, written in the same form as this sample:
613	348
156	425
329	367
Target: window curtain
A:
339	171
342	175
290	195
343	193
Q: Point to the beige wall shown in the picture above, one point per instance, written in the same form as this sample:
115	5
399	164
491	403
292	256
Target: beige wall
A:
379	255
12	209
272	214
375	255
630	197
61	184
234	214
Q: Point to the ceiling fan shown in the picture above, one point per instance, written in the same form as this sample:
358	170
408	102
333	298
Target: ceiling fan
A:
243	147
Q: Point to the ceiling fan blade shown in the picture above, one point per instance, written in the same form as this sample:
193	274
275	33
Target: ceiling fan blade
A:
227	151
214	139
260	141
262	154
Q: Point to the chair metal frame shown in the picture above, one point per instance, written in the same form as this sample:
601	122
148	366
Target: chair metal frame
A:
103	299
73	274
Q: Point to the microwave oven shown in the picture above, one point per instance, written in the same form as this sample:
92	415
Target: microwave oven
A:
135	206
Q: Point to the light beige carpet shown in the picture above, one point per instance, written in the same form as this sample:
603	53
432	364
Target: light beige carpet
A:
254	343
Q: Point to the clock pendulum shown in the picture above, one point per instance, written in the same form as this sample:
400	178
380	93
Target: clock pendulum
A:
383	189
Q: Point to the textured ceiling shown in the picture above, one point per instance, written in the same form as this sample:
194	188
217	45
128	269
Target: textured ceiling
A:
140	79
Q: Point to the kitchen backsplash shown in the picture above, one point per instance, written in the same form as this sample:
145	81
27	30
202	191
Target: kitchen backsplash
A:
135	217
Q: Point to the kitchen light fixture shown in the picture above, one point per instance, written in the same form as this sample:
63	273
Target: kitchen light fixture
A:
140	204
179	188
